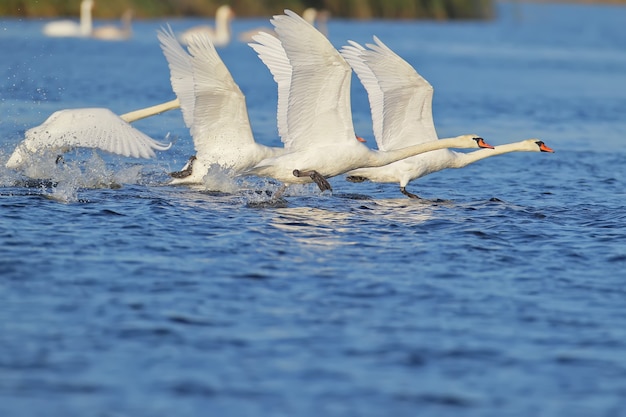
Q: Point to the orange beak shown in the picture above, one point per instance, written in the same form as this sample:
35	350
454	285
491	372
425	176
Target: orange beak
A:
545	148
483	144
360	139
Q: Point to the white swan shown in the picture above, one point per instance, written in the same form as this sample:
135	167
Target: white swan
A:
316	125
214	109
400	101
116	33
70	28
220	35
97	128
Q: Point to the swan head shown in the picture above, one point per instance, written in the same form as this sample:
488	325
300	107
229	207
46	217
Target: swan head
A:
539	146
473	141
224	13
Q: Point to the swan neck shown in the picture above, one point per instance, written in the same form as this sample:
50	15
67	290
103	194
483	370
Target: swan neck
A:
86	24
388	157
464	159
150	111
222	28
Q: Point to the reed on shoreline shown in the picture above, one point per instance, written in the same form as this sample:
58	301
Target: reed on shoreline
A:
361	9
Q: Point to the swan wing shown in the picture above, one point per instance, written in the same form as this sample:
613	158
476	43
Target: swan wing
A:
271	52
353	53
318	112
406	106
220	117
98	128
181	73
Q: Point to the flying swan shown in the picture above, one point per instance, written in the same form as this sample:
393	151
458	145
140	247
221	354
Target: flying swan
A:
97	128
314	115
214	110
401	106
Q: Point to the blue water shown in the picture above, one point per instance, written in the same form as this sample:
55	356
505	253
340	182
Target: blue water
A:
502	293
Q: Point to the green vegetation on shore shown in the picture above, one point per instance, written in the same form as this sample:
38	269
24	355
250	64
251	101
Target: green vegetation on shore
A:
361	9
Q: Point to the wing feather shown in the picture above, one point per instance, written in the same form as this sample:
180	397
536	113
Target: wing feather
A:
319	94
97	128
220	117
406	107
270	50
181	73
353	53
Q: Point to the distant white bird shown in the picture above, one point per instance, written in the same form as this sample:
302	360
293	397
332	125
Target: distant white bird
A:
401	106
116	33
70	28
214	110
96	128
316	121
220	35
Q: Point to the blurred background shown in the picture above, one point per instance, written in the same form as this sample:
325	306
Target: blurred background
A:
361	9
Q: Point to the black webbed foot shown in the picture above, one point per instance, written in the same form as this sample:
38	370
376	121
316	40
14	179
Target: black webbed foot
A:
185	172
355	178
316	177
408	194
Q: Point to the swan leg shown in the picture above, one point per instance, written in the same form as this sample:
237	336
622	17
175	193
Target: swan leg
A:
186	171
408	194
321	182
354	178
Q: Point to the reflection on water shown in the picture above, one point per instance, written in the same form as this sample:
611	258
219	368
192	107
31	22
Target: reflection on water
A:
340	226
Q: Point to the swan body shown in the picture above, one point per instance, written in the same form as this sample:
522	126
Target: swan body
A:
401	106
314	115
220	35
70	28
96	128
409	169
213	107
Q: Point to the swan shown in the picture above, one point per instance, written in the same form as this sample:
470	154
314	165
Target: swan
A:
401	105
214	110
220	35
314	115
116	33
97	128
70	28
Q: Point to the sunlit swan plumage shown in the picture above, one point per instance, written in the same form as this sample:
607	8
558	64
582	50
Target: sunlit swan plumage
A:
401	106
96	128
220	35
70	28
318	133
213	107
316	18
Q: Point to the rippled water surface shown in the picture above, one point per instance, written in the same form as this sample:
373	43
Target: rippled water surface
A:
501	293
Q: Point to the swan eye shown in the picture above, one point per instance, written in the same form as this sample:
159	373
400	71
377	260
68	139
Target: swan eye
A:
543	147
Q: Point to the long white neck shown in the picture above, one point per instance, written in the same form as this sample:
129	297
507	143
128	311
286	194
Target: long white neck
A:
378	159
86	24
463	159
150	111
222	26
